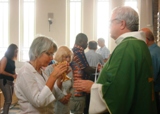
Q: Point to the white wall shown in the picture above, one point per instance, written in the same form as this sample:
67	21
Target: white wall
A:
57	30
43	7
88	19
14	20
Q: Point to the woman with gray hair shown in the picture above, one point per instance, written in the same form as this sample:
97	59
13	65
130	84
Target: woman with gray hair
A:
33	88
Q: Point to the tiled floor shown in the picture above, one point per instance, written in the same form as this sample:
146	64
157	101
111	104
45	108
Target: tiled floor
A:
14	109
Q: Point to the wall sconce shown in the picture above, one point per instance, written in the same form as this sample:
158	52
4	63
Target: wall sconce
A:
50	22
50	18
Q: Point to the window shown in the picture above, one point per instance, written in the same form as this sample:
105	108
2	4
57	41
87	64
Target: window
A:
103	16
27	26
4	26
131	3
75	20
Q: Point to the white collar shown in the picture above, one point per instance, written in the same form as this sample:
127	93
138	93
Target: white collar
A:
139	35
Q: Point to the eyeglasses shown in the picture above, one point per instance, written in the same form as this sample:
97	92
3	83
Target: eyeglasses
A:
49	54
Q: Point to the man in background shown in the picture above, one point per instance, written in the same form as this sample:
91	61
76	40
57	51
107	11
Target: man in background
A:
81	71
103	50
155	55
94	59
92	56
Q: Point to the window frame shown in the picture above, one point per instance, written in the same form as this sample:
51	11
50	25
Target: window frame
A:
23	55
4	45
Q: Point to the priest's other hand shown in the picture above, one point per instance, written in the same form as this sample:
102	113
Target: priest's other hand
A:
83	85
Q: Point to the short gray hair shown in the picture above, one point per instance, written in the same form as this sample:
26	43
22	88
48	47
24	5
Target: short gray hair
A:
129	15
101	39
39	45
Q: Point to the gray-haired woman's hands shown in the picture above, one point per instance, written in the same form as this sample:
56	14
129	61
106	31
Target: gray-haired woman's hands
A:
59	70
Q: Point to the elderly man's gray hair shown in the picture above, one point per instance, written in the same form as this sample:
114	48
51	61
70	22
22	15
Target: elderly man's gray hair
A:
101	39
39	45
129	15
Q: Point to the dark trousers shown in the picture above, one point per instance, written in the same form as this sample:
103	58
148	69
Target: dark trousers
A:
7	90
157	97
86	109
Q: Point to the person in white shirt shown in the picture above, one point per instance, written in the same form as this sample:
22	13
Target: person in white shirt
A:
33	87
103	50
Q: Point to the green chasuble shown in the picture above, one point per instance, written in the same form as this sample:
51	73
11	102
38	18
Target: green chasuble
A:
127	79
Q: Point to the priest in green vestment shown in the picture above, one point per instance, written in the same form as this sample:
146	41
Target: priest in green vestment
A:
125	84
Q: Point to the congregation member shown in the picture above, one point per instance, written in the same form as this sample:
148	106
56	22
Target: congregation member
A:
125	84
103	50
155	55
62	103
93	58
81	71
33	87
7	75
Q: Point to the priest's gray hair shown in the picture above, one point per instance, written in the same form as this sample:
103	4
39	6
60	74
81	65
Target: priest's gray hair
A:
129	15
40	45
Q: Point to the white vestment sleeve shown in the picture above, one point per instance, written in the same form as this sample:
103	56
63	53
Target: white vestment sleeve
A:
97	103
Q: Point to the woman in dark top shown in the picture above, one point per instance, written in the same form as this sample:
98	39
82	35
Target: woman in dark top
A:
7	75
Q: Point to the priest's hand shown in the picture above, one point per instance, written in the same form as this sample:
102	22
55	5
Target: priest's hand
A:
83	85
99	67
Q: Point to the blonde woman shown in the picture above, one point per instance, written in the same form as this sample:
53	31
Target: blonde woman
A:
62	105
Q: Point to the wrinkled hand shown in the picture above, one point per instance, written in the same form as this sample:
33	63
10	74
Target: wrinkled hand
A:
83	85
65	99
59	70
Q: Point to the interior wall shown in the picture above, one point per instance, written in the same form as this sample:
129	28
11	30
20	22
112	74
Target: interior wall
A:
14	22
87	21
57	28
